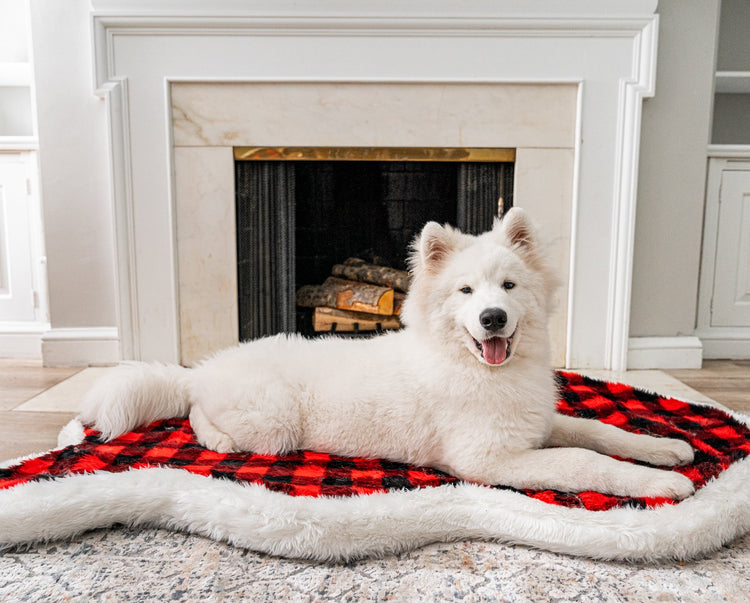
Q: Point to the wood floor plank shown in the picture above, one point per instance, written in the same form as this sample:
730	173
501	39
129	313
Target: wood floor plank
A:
23	433
726	381
21	380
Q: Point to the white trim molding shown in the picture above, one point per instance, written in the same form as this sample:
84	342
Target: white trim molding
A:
21	339
77	346
737	152
684	352
725	342
141	46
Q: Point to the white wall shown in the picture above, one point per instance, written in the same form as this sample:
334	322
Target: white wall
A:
78	220
74	168
13	47
675	131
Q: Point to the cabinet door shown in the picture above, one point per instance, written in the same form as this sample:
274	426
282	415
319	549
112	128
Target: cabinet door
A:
17	301
731	291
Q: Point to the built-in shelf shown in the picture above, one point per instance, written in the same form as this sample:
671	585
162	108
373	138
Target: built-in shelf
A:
15	74
19	143
733	82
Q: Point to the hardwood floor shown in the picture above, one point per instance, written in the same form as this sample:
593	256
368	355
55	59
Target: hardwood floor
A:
34	427
21	380
23	432
726	381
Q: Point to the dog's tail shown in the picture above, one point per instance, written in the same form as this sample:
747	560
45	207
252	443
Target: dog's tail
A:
133	394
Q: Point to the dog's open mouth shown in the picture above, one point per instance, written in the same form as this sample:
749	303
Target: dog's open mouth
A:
495	350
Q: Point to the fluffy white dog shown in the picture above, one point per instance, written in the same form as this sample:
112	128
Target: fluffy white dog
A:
466	387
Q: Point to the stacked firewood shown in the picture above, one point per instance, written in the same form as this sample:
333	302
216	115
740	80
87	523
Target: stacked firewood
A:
358	296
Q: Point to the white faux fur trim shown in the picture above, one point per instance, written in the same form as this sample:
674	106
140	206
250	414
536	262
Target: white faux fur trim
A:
256	518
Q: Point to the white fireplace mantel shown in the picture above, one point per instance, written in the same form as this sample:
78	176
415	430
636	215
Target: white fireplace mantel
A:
605	47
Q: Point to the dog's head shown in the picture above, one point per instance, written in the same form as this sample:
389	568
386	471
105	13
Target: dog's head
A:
488	295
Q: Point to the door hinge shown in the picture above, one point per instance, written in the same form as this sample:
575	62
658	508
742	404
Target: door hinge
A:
34	299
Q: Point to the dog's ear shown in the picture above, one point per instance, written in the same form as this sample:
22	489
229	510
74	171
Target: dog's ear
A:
432	247
518	230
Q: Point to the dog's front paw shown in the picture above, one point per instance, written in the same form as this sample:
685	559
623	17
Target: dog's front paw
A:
667	452
670	484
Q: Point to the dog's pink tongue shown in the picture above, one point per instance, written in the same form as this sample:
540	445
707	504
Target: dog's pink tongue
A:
495	350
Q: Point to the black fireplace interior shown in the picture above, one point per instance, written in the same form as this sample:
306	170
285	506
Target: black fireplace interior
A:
296	219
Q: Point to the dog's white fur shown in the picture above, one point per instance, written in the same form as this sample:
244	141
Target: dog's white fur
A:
440	392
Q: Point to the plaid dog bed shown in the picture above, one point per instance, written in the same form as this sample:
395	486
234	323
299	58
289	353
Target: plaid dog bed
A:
717	438
318	506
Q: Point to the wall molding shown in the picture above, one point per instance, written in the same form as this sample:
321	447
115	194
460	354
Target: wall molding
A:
21	339
725	342
739	152
81	346
685	352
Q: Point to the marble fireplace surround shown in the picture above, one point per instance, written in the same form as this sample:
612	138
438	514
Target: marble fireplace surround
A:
210	118
185	83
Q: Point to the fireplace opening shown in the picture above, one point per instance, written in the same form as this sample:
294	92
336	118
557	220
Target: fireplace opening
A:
300	212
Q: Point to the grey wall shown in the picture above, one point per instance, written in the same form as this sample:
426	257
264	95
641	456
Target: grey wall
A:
732	117
675	132
732	111
734	44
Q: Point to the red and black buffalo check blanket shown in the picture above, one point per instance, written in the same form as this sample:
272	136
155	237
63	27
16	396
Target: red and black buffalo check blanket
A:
717	438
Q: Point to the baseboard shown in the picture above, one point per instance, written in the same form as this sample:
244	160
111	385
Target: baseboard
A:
665	353
725	342
81	346
21	339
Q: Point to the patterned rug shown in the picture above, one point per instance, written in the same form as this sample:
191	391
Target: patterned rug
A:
720	441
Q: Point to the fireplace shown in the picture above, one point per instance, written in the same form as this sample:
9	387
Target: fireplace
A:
185	83
300	211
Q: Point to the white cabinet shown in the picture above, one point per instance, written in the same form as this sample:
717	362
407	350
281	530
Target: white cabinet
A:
17	301
23	297
731	301
724	297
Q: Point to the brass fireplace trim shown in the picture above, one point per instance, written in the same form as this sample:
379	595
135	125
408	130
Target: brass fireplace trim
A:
477	155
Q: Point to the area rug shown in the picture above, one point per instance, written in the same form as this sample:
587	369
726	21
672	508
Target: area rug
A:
323	507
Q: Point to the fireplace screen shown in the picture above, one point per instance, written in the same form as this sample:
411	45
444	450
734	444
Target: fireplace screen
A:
303	212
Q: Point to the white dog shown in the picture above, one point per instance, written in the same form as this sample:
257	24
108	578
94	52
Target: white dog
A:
466	387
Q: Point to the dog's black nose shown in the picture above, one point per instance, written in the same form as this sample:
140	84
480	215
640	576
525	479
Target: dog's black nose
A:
493	319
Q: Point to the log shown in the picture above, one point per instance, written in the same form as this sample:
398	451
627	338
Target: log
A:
345	321
398	301
347	295
356	269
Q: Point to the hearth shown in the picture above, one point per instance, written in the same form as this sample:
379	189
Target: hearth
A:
301	211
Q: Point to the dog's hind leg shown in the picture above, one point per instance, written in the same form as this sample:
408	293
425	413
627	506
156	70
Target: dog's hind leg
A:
259	414
610	440
208	434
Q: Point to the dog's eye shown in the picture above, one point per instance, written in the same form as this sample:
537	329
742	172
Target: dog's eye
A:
508	285
466	290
